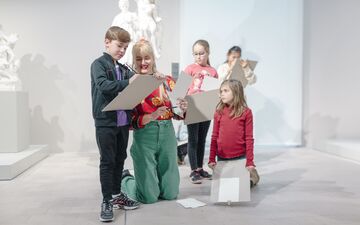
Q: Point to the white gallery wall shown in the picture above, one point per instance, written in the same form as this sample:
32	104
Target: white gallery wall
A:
269	31
331	70
58	40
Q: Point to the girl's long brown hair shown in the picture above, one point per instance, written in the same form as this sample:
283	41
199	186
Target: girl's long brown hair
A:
238	105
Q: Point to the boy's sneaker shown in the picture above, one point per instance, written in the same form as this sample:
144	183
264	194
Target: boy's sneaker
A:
106	214
254	177
205	175
195	177
122	201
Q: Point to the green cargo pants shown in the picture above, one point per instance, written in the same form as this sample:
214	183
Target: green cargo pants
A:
154	156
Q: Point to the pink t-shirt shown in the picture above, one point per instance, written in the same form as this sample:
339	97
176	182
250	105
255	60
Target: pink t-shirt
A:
198	73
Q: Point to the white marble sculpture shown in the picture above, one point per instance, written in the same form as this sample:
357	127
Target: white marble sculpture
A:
149	24
9	80
127	20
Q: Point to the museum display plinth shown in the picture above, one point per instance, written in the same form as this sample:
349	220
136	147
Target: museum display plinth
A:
16	155
345	148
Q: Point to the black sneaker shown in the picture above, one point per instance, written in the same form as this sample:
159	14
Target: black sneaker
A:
205	175
122	201
106	214
181	160
195	177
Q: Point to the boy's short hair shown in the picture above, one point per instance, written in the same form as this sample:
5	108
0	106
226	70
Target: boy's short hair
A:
117	33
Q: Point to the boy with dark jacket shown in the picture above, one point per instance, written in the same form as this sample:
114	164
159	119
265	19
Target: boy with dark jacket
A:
108	78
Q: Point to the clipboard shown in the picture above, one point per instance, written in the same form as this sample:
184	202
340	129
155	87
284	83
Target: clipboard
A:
134	93
201	106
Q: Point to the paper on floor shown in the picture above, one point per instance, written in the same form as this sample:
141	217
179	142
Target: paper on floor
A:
190	203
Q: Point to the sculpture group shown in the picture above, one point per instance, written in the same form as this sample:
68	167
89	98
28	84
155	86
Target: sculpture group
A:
9	80
143	24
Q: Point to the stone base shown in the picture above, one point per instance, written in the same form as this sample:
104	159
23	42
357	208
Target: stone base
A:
13	164
10	85
345	148
14	120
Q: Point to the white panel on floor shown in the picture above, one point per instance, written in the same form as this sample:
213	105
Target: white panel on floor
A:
231	182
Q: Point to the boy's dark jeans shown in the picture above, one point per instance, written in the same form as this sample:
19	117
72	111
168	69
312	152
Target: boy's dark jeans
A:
197	133
112	143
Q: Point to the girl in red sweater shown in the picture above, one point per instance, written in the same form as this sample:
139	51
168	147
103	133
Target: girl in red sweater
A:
232	136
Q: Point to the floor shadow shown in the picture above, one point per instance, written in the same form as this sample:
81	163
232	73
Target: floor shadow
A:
45	100
45	132
319	128
272	183
270	124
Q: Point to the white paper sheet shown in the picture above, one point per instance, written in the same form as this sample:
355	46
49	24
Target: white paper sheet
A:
227	192
190	203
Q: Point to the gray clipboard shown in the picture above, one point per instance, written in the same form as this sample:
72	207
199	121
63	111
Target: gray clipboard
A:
201	106
134	93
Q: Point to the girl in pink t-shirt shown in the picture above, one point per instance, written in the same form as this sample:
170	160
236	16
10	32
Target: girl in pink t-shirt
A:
198	131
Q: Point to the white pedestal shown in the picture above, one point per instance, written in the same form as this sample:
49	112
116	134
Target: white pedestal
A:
13	164
346	148
16	155
14	120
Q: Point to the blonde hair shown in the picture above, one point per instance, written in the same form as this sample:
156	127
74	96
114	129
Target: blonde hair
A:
238	104
117	33
143	47
206	46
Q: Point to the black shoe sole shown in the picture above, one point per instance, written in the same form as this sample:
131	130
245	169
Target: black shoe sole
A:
106	220
196	182
126	207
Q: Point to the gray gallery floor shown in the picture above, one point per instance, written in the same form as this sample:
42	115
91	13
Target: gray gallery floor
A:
297	187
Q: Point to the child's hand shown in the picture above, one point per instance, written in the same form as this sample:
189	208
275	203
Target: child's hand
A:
159	76
182	103
159	112
244	63
250	168
212	165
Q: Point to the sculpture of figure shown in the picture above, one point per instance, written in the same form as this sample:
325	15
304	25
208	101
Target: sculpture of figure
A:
149	27
8	64
128	21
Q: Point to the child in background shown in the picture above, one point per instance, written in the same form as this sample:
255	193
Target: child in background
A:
224	69
232	136
197	132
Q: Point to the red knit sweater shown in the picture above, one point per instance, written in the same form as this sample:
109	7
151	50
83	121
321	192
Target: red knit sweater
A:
233	137
151	103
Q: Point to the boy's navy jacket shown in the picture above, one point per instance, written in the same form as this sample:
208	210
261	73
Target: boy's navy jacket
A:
105	87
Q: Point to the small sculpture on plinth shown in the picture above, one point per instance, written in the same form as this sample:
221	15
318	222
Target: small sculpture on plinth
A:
9	80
